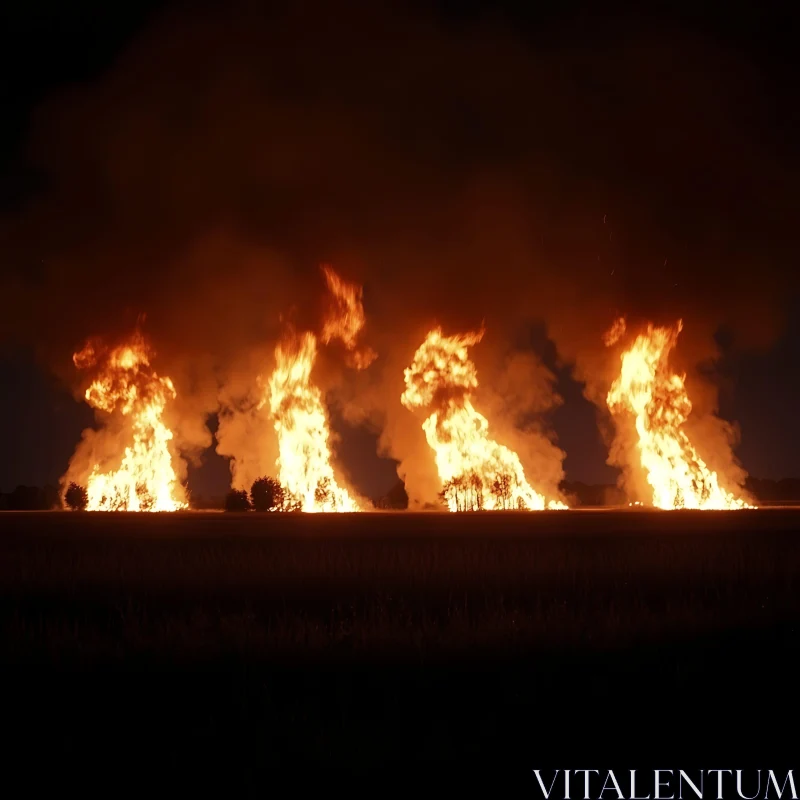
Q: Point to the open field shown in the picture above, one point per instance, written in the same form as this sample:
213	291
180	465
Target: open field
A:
218	646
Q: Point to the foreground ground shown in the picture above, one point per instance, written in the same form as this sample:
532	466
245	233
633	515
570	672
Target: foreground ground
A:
205	651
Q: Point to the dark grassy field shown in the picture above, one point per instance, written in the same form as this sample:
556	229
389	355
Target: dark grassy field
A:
211	652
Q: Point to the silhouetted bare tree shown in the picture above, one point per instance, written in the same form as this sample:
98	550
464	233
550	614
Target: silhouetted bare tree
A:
465	492
323	494
476	491
448	493
501	489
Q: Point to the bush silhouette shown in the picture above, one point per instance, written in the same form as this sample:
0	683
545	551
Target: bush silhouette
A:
266	494
236	500
76	497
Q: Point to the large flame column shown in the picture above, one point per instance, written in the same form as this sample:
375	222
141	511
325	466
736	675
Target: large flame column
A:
476	472
304	461
656	398
126	385
296	404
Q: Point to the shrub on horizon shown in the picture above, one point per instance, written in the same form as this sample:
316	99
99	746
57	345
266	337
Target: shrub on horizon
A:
76	497
237	500
266	494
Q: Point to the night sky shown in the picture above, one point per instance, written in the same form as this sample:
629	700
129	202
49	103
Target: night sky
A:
561	129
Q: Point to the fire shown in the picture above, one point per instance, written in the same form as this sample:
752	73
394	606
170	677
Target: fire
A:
127	384
615	332
658	400
296	404
304	460
346	319
476	472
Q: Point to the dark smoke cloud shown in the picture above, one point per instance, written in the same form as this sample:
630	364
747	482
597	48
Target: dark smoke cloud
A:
463	175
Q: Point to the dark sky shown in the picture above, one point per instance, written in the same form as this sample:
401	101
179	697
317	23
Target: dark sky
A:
508	134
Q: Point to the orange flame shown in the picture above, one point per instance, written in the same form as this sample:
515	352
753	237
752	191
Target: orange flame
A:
347	319
296	404
615	332
126	383
301	423
476	471
658	400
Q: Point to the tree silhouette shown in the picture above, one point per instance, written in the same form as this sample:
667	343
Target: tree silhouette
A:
467	492
501	489
449	493
476	486
266	494
76	497
463	488
464	491
237	500
323	494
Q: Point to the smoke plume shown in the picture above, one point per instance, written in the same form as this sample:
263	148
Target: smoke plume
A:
463	172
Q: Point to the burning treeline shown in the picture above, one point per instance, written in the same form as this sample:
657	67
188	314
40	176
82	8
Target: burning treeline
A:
127	465
477	473
296	404
130	463
650	395
224	179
